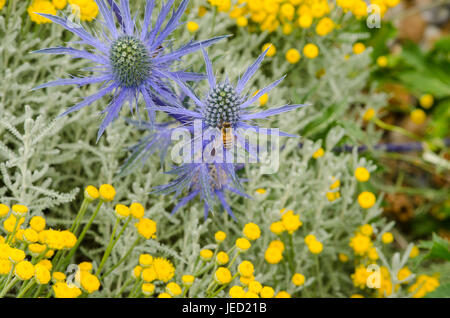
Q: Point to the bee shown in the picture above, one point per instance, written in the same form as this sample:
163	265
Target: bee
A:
227	135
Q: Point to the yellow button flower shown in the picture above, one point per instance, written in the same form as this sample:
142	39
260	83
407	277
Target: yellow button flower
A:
164	269
298	279
267	292
40	6
309	238
145	260
148	289
311	50
107	192
122	211
418	116
387	238
252	231
37	223
282	294
242	21
89	282
382	61
4	210
414	252
24	270
137	271
59	4
277	227
277	244
146	228
222	275
206	254
220	236
324	26
5	266
246	268
319	153
426	101
343	257
360	244
366	199
188	280
192	26
272	50
91	193
19	210
315	247
42	274
137	210
85	266
291	222
369	114
173	289
222	258
58	277
237	292
293	56
30	235
358	48
242	244
305	21
273	255
362	174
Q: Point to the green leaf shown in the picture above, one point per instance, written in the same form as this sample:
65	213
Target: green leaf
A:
439	248
442	291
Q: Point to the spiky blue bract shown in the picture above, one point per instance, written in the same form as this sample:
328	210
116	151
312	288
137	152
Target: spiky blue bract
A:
130	60
228	103
210	182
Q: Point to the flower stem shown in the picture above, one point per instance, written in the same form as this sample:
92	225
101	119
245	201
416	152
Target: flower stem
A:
26	288
83	233
122	259
11	235
396	129
8	287
319	279
80	215
109	248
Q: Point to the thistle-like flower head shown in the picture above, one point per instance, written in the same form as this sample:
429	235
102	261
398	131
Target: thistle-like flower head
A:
210	182
228	104
129	61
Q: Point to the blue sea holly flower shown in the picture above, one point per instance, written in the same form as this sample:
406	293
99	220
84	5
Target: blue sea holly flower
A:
208	181
130	61
227	105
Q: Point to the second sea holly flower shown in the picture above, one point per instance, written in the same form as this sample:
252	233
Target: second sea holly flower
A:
129	62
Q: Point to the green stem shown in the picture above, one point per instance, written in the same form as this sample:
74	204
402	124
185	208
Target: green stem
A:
291	254
80	215
83	233
121	231
396	129
234	259
319	278
11	235
109	248
186	289
38	291
124	286
26	288
122	259
223	286
8	287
